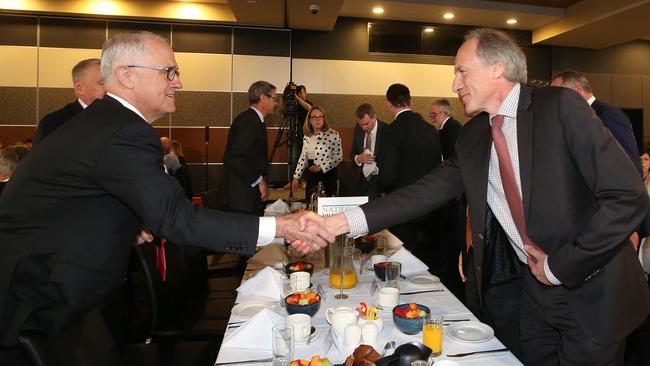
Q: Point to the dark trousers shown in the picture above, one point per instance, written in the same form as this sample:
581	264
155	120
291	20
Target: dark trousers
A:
329	180
550	334
368	187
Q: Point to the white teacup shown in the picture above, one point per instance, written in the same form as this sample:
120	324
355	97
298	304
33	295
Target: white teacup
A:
341	317
377	322
301	327
299	281
388	297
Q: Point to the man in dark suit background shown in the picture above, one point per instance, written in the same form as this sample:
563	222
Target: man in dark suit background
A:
412	150
558	188
366	146
88	86
10	156
245	162
76	205
442	117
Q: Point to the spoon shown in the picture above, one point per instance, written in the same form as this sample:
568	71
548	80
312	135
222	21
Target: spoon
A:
389	345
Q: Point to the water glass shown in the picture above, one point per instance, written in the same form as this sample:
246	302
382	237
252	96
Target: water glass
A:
393	270
432	332
283	344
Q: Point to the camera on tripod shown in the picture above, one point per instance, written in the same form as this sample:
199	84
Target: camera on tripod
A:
289	98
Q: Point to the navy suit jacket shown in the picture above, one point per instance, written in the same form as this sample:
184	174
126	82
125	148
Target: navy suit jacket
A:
620	126
56	119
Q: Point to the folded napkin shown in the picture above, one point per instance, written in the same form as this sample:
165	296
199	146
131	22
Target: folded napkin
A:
272	255
266	283
277	208
256	332
410	263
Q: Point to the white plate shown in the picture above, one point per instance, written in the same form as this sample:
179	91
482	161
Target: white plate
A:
314	335
446	363
345	291
246	309
423	280
472	332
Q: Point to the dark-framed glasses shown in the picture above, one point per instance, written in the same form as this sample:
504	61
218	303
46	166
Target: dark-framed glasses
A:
317	117
171	71
276	98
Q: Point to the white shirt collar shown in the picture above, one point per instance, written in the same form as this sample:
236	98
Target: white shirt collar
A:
373	132
127	105
508	107
442	125
83	105
259	114
591	100
400	112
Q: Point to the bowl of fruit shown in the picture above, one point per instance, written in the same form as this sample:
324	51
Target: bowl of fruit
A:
299	266
408	317
315	361
305	302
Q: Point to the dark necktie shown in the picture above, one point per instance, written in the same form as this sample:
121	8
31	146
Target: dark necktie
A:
506	171
368	141
161	260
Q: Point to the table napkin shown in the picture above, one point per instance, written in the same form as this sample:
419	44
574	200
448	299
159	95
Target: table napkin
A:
272	255
266	283
277	208
410	263
255	333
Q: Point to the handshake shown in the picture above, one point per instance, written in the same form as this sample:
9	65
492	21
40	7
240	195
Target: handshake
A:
308	232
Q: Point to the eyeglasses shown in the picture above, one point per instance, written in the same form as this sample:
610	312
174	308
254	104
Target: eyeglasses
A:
276	98
172	71
434	115
317	117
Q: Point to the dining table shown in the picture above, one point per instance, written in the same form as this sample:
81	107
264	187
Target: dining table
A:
433	295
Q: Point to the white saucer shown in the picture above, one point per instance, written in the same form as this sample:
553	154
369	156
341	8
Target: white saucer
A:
423	280
246	309
314	335
470	331
345	291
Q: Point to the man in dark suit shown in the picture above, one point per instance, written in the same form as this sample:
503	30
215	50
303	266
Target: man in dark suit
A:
613	118
10	156
366	145
560	188
442	117
412	150
88	86
245	162
76	205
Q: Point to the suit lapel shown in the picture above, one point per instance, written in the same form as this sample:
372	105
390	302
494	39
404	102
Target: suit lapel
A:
377	139
525	145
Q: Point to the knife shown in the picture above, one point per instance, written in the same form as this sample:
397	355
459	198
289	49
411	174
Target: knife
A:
421	292
245	361
478	352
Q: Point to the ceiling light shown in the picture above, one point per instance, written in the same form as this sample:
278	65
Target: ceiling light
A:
511	21
448	16
189	11
428	30
12	4
378	10
103	7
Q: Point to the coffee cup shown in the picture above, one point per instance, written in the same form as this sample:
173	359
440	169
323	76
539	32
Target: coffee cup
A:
301	324
299	281
388	297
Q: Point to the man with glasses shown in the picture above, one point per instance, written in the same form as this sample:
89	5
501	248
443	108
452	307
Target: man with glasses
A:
88	86
75	207
442	117
246	162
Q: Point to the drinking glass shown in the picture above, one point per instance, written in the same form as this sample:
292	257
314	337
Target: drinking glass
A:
393	270
282	345
432	333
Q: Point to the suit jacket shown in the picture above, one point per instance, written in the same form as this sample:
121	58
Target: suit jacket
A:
411	150
56	119
359	145
582	198
71	211
245	160
329	153
448	136
621	127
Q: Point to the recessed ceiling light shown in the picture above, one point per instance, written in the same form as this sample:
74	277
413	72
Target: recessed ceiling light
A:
378	10
448	16
511	21
428	30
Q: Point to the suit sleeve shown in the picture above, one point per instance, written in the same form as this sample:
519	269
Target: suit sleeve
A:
389	156
130	168
622	200
238	155
302	161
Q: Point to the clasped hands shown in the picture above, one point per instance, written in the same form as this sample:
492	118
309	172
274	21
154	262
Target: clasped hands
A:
308	232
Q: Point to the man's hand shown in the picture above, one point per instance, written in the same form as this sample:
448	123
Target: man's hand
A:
314	168
536	258
305	236
460	267
365	158
144	236
294	184
264	189
634	238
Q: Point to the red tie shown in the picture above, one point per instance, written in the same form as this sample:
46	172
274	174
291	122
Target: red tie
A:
161	261
513	197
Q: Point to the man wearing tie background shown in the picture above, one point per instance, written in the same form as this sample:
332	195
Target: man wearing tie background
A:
442	117
366	145
535	164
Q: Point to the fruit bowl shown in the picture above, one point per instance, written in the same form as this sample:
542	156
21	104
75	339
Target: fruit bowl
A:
408	318
299	266
302	303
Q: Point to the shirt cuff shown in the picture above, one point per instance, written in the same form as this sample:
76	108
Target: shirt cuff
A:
355	160
356	222
266	231
549	275
257	181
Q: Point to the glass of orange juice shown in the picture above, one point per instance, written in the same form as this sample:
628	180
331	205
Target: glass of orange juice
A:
432	333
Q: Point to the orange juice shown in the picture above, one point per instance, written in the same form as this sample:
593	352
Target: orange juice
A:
349	279
432	338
